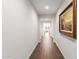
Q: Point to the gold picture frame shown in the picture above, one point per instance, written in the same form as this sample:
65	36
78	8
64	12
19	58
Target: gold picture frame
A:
67	20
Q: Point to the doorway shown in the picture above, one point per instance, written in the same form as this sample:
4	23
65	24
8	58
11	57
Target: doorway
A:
46	28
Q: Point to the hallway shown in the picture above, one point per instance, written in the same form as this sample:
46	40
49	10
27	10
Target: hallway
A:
46	49
39	29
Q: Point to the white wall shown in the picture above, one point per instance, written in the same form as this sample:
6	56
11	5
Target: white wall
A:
20	29
66	44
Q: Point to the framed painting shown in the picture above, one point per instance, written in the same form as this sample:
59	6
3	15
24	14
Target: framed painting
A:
67	20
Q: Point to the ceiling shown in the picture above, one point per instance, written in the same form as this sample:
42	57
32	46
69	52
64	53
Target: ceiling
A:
46	7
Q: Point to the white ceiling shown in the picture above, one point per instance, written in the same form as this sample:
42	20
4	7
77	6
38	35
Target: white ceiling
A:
40	5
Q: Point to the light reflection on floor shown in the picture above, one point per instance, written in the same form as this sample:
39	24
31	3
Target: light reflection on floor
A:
46	40
46	44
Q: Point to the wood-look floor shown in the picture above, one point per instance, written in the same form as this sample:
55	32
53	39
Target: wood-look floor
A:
47	49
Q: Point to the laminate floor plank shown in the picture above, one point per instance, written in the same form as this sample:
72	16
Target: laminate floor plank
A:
46	49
